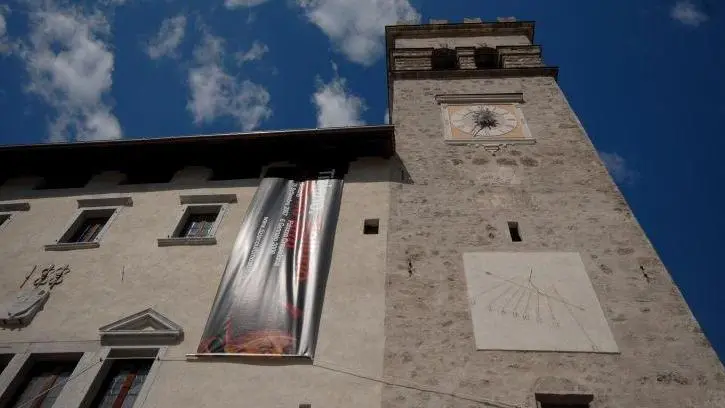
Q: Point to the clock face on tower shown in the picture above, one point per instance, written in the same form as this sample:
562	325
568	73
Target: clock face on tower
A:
488	119
481	121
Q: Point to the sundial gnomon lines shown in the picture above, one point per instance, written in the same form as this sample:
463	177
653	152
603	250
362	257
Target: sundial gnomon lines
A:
520	298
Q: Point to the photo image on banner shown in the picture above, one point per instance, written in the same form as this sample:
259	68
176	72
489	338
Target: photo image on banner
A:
269	301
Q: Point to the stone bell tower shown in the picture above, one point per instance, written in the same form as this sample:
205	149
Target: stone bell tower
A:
517	275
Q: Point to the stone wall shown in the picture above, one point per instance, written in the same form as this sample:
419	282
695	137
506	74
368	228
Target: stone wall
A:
453	199
483	41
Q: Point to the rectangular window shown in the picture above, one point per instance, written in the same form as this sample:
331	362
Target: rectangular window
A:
123	383
514	231
88	229
198	225
43	384
198	222
563	400
371	226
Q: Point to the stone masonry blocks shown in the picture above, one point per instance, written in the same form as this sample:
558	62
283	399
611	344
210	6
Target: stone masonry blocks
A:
459	198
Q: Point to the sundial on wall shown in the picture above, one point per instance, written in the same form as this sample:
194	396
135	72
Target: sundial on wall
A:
534	301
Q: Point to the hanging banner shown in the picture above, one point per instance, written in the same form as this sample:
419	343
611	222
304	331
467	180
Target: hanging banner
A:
270	297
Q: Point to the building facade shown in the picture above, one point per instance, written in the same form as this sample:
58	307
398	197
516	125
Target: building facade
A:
482	257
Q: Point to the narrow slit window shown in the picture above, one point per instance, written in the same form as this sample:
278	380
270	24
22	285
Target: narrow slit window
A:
371	226
514	231
546	405
563	400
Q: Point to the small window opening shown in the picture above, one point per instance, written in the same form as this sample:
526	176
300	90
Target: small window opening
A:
198	225
545	400
548	405
123	383
4	218
514	231
89	229
88	226
444	59
485	58
371	226
199	222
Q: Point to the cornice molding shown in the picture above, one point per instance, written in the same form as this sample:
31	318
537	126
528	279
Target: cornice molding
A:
124	201
477	73
454	99
208	198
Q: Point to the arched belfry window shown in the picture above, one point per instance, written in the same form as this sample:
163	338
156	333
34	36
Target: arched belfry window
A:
444	59
486	58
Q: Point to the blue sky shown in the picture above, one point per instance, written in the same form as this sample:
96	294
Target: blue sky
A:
645	77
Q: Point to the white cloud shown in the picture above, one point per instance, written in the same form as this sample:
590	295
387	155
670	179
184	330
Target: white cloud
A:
215	93
69	65
168	39
337	107
618	168
687	13
3	25
356	27
232	4
255	53
4	42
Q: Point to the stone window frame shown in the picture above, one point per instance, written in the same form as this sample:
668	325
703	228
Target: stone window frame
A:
86	207
95	376
127	338
10	210
92	367
514	98
25	355
198	202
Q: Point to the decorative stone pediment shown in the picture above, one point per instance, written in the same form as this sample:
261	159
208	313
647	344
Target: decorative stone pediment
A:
147	327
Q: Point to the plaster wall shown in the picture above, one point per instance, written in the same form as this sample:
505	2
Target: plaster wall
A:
452	199
130	272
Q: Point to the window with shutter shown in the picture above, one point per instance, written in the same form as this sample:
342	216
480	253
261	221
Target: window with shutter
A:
89	229
123	383
43	384
198	225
